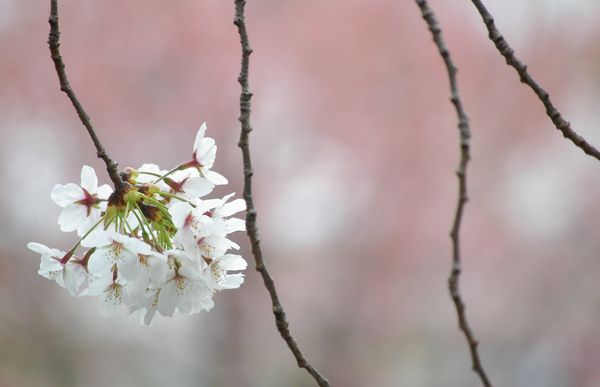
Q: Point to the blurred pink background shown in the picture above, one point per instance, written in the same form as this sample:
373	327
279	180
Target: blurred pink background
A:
355	147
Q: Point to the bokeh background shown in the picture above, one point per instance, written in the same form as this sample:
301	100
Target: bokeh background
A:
355	147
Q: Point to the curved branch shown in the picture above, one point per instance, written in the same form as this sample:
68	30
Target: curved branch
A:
278	311
54	44
463	126
551	111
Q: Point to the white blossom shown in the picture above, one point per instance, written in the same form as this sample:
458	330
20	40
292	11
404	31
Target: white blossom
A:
82	204
147	174
226	209
112	292
185	289
189	183
70	275
217	273
113	248
204	154
158	247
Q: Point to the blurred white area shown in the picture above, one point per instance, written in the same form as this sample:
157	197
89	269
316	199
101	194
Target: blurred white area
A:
541	192
32	156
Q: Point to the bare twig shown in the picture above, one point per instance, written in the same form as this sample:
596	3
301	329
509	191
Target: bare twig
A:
463	126
278	311
54	44
551	111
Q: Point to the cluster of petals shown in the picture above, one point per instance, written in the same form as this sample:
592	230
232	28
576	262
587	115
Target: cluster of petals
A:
161	247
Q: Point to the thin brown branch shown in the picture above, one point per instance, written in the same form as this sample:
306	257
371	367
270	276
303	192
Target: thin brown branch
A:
551	111
54	44
465	134
252	230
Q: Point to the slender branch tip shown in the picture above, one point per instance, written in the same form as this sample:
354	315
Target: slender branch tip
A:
65	86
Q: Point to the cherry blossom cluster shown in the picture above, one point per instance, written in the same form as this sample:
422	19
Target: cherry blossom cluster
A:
158	246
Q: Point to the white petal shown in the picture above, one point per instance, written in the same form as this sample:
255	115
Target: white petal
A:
203	300
89	181
104	191
199	136
208	304
227	197
149	167
71	217
38	248
167	301
47	271
179	176
206	152
98	239
149	309
145	178
149	314
80	273
66	194
98	286
197	186
234	224
220	242
186	239
158	270
233	207
50	263
188	271
216	178
203	206
99	263
232	281
232	262
130	270
88	222
136	246
198	298
70	281
110	301
179	213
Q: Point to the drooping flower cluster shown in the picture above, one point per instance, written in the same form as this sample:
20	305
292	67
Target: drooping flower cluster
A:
159	246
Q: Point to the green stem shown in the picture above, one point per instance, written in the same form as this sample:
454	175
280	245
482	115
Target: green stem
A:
151	174
87	233
128	226
143	220
177	168
155	202
139	220
170	195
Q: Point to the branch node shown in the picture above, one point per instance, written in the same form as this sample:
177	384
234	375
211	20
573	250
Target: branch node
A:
54	45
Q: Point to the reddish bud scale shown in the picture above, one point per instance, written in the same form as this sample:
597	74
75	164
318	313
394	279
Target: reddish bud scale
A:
116	198
191	164
83	262
66	258
126	174
175	186
150	212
